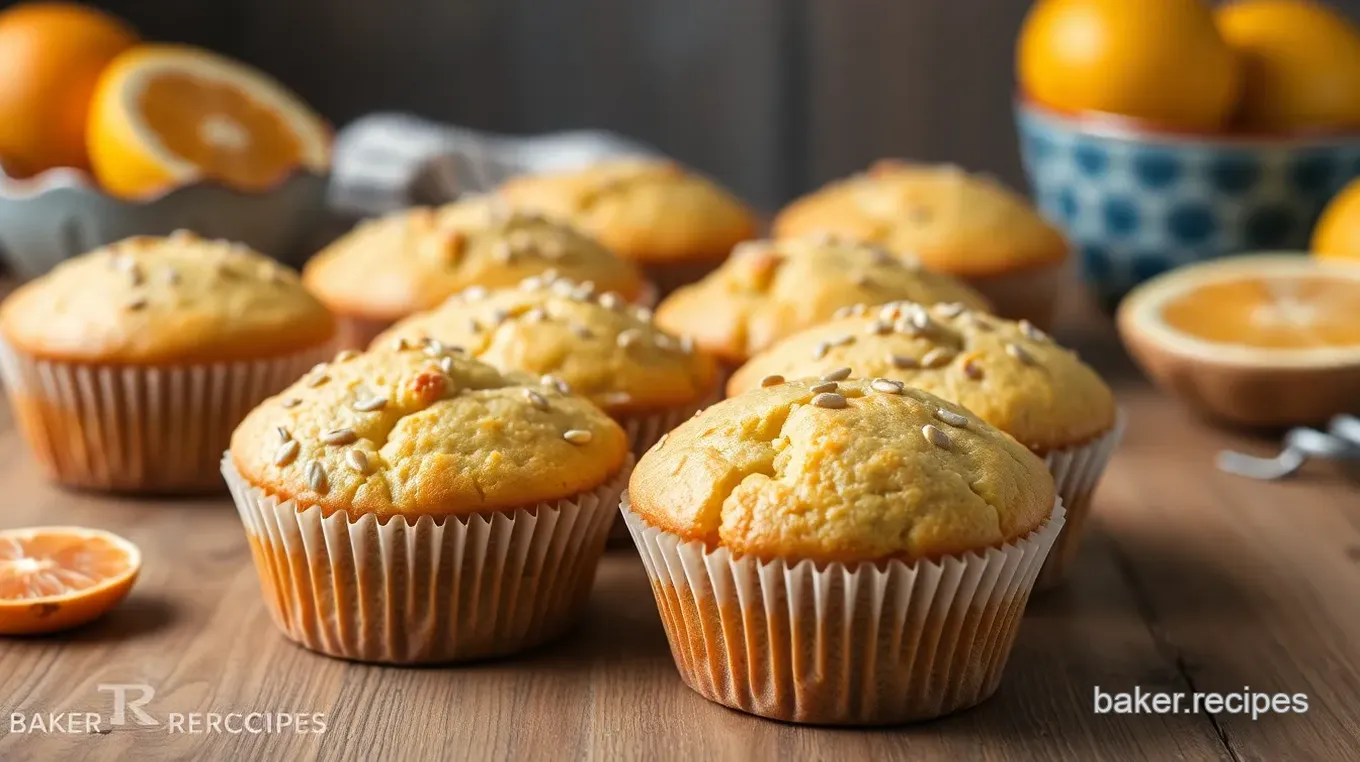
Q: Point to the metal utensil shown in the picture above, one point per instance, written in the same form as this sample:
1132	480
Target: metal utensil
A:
1341	441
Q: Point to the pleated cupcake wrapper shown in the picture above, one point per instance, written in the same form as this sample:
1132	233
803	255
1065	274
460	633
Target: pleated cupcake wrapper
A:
146	430
357	332
1076	474
645	430
438	590
861	644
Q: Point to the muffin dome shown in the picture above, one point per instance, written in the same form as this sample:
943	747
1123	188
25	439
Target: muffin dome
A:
952	221
1011	374
770	289
645	210
424	431
174	300
597	344
850	470
410	261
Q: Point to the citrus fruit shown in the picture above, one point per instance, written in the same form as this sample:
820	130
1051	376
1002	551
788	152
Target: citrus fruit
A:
1159	60
1260	340
51	55
166	115
1300	64
56	578
1337	234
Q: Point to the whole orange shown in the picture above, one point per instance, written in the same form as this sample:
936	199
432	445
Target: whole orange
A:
1300	64
51	55
1337	234
1160	60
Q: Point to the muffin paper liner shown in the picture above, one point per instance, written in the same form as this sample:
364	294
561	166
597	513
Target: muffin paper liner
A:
1076	474
436	590
841	644
139	429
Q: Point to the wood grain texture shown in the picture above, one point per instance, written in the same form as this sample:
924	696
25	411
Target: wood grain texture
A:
1190	580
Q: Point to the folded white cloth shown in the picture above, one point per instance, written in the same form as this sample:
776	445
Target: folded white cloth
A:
384	162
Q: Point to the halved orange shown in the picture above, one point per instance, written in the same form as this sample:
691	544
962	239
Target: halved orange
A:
167	115
1259	340
56	578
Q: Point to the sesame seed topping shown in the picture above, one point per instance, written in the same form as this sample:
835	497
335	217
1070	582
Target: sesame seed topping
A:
937	357
537	400
863	281
582	331
172	276
772	380
339	437
284	434
400	344
135	275
879	327
474	293
824	386
290	403
532	283
584	292
829	400
643	314
370	404
474	326
839	374
578	436
610	300
686	345
972	370
434	347
137	304
498	316
819	351
903	362
1019	353
922	321
535	315
502	252
316	477
887	386
843	341
951	309
286	452
357	461
345	354
843	312
1032	331
628	338
446	365
662	441
952	418
318	380
556	383
936	437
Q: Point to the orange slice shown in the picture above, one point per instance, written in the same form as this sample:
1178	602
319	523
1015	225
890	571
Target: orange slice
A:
56	578
1267	340
167	115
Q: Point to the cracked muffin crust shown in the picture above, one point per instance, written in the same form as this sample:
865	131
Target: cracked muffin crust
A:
769	289
645	210
390	267
833	469
602	347
179	299
424	430
1011	374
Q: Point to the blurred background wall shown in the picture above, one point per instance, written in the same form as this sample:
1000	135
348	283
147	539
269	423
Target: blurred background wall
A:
771	96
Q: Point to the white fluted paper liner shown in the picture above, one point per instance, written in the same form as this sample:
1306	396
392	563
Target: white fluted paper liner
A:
139	429
439	590
1076	474
860	644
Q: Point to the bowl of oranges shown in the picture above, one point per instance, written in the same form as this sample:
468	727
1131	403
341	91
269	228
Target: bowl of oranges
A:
104	136
1163	134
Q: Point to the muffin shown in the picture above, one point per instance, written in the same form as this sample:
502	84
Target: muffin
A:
388	268
841	552
593	344
770	289
675	224
128	367
1012	375
968	226
418	506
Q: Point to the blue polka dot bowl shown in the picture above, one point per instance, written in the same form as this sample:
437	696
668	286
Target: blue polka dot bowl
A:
1136	202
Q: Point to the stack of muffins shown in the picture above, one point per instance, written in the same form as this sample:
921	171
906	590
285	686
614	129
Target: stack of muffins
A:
428	434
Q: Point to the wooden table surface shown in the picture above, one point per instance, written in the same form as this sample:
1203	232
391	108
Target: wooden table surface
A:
1190	580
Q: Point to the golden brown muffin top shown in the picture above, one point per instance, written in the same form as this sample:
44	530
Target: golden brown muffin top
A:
850	470
600	346
1011	374
173	300
388	268
769	289
646	210
424	430
952	221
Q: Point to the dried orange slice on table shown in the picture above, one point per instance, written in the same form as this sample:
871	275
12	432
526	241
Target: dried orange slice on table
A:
1257	340
56	578
167	115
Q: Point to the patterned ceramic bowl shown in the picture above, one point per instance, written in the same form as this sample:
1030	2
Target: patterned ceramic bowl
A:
61	213
1137	201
